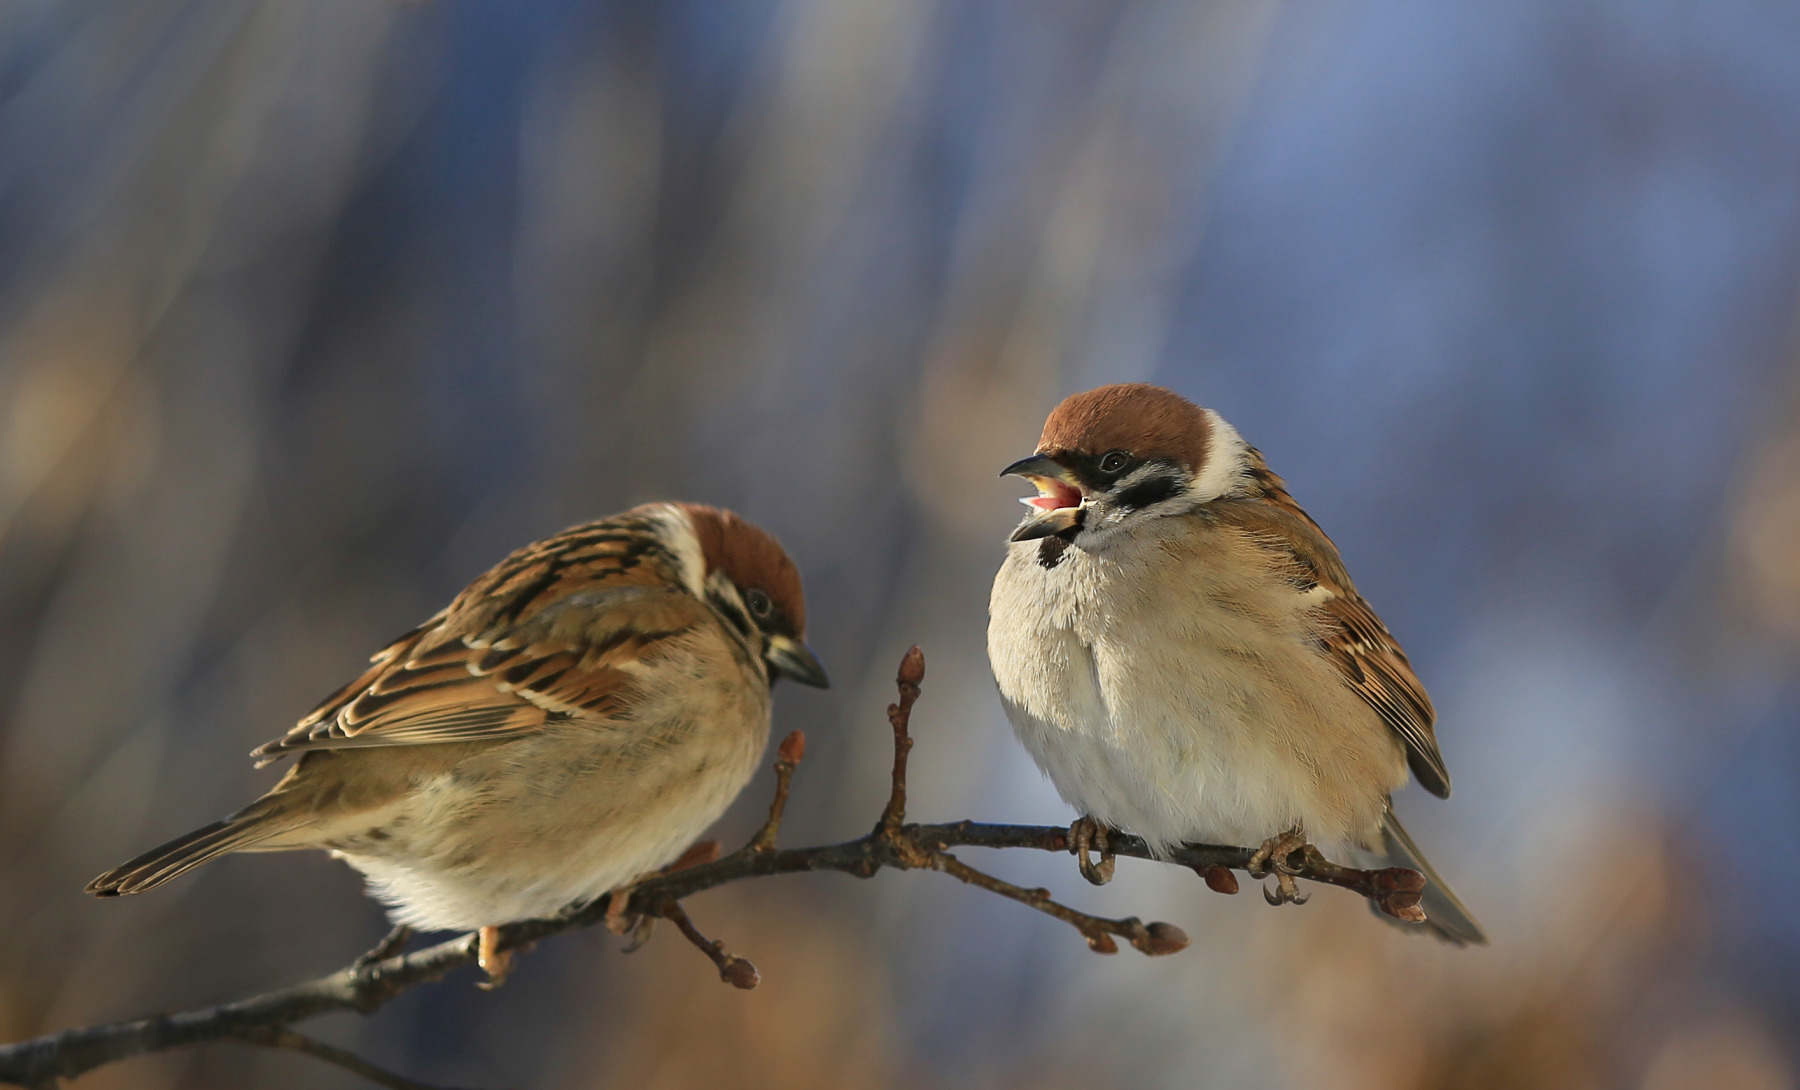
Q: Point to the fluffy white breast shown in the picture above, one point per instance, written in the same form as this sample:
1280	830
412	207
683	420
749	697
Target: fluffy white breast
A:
1170	685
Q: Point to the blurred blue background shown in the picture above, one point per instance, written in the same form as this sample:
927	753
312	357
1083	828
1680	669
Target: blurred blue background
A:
312	309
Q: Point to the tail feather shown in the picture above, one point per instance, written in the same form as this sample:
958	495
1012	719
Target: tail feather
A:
184	853
1445	916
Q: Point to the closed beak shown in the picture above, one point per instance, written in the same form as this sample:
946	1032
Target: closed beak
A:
1058	501
793	659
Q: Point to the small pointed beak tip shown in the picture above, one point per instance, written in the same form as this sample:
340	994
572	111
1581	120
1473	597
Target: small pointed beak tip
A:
816	677
794	660
1034	465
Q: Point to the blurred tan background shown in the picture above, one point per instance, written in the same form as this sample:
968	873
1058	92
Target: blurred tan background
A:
312	309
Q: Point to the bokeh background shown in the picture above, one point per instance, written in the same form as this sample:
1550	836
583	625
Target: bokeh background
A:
312	309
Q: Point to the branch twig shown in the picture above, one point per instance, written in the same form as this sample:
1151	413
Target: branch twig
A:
287	1039
787	758
733	970
912	673
384	973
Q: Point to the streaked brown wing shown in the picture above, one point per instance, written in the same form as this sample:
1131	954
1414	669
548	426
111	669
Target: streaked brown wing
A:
546	633
1375	666
1355	638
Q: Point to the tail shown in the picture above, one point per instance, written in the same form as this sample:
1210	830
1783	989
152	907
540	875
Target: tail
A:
248	826
1444	914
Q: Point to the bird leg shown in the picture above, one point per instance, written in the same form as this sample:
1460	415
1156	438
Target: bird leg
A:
640	934
617	921
395	942
495	962
1088	834
1272	858
639	924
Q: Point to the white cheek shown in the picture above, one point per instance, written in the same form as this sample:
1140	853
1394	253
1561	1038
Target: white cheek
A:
677	534
1102	526
1226	462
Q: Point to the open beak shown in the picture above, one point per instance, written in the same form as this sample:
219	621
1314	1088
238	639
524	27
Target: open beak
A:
791	658
1058	502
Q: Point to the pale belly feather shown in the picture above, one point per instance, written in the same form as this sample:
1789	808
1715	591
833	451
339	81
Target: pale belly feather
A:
1187	705
525	829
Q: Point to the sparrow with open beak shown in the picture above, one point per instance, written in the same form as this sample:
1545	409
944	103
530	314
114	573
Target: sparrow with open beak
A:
573	720
1181	650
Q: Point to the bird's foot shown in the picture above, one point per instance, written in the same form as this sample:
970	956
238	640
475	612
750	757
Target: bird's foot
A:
392	944
617	921
1272	858
495	962
639	925
640	934
1086	835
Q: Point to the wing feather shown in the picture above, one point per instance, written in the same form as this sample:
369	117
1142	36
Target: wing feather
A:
1353	636
549	633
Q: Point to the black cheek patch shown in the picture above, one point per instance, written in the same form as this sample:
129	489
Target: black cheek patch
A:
1148	493
776	624
735	615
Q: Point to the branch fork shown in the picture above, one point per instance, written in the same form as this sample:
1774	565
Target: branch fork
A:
913	847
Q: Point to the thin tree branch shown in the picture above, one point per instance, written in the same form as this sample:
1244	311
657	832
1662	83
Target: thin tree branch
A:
392	944
385	972
1154	939
911	675
287	1039
733	970
787	758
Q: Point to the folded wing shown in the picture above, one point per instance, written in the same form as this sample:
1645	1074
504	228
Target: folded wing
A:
1355	639
550	633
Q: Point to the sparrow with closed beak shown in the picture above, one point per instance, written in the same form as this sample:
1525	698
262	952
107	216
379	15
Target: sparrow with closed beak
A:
573	720
1181	650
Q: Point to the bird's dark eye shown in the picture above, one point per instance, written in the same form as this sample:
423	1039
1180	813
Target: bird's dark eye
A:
759	604
1114	461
